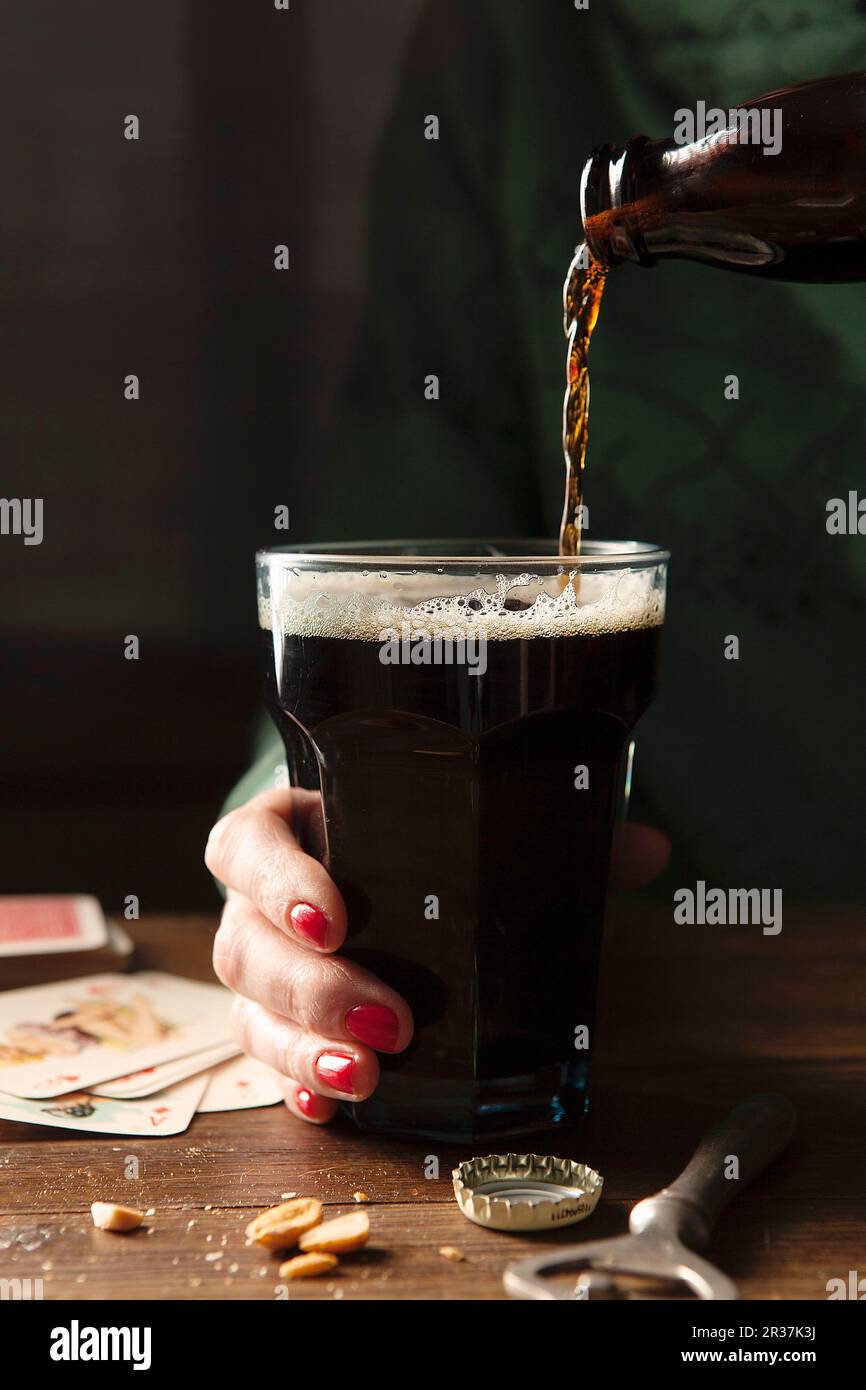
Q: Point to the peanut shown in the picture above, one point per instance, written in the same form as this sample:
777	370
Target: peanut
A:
344	1233
279	1227
108	1216
308	1266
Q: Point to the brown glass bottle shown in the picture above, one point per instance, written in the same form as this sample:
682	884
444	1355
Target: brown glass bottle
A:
798	214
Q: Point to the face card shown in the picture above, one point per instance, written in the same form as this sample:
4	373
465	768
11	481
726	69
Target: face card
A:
169	1112
241	1084
151	1079
74	1034
38	926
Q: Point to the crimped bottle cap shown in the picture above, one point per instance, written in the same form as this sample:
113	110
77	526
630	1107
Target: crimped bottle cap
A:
525	1192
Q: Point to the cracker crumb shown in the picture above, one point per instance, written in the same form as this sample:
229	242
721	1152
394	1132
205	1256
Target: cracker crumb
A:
308	1266
360	1197
110	1216
450	1252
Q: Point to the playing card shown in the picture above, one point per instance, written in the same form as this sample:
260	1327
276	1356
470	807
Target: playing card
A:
69	1036
240	1084
169	1112
150	1079
37	926
41	967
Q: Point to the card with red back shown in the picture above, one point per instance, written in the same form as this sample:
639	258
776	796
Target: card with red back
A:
32	926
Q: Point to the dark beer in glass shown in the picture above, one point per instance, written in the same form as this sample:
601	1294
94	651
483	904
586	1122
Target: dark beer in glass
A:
460	714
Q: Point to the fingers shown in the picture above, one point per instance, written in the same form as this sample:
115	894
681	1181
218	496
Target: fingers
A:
313	1018
331	997
640	854
253	851
305	1104
341	1071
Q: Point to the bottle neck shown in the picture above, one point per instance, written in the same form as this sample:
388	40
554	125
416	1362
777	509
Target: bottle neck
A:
608	191
774	187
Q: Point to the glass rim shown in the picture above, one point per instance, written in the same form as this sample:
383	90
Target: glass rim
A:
428	554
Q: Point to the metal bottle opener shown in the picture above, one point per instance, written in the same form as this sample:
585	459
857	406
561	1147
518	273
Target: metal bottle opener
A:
667	1227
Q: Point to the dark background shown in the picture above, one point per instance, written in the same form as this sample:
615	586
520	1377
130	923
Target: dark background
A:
155	257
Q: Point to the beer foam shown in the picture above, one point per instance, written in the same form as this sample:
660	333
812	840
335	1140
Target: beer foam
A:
497	607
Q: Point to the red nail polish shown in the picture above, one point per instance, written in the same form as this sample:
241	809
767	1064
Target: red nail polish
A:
306	1102
375	1025
310	922
337	1070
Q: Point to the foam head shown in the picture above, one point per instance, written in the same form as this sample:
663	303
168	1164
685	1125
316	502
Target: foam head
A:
361	606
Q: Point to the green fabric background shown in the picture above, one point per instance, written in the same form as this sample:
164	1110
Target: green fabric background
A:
755	767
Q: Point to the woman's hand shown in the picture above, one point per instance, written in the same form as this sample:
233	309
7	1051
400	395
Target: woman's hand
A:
317	1019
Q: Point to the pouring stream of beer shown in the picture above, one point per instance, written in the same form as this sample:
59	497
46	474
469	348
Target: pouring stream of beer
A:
581	296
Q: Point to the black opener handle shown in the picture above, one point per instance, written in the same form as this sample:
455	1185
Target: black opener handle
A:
755	1132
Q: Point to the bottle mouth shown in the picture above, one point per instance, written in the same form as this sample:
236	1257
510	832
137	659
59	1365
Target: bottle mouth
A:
596	190
607	187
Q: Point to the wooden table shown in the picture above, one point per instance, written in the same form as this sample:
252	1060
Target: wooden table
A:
691	1020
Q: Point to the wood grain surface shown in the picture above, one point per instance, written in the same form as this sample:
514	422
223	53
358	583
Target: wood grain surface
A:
692	1019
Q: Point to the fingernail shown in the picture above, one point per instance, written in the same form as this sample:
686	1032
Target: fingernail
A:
337	1071
307	1102
375	1025
310	922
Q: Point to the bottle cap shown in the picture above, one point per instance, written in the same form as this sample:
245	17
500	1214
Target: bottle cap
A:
525	1192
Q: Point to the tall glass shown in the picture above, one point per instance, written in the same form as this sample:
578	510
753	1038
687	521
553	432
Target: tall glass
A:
460	712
